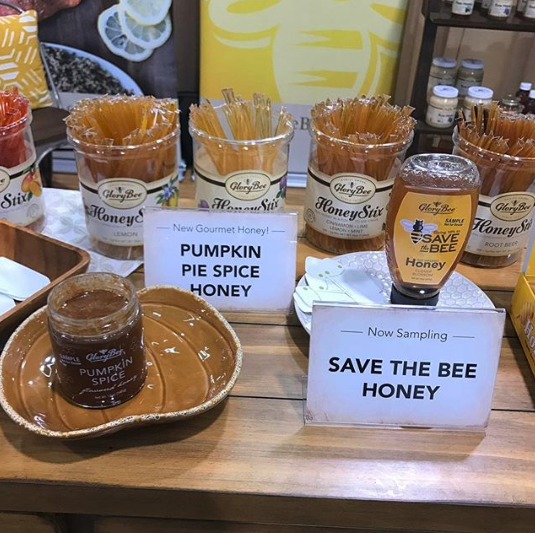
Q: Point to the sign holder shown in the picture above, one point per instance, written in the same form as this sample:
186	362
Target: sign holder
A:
237	261
403	366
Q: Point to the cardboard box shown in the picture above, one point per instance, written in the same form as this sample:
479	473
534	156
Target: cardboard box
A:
523	305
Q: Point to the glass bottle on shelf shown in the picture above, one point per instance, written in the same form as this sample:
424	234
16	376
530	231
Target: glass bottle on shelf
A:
442	106
530	106
470	74
523	93
529	11
510	104
500	9
443	72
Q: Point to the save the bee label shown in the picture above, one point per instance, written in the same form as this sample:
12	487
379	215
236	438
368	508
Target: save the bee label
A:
429	236
403	365
20	193
236	261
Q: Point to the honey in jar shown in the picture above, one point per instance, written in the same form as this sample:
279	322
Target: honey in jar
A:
96	329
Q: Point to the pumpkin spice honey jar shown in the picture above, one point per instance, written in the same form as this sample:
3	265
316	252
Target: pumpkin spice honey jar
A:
357	147
96	330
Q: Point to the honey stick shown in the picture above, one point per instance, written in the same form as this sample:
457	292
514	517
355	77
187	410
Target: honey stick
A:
240	153
502	146
127	158
357	147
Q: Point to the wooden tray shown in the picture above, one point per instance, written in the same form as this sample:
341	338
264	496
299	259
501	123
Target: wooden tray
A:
55	259
193	360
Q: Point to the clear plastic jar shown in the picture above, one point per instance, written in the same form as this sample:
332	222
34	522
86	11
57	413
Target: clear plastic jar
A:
117	182
96	330
442	106
443	72
510	104
506	209
348	190
469	74
500	9
463	8
20	181
235	175
476	96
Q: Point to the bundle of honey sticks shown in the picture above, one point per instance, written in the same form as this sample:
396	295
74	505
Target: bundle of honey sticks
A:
362	135
244	120
502	146
492	139
118	136
14	108
360	130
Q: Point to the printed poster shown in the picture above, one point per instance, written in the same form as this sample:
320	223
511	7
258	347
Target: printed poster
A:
300	52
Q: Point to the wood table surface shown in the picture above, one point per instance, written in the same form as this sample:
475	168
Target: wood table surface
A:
251	460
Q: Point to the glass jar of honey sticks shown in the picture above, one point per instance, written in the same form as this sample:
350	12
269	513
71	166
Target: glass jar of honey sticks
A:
20	180
502	146
241	153
357	147
127	159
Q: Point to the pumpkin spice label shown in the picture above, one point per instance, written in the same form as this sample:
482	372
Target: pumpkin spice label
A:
20	193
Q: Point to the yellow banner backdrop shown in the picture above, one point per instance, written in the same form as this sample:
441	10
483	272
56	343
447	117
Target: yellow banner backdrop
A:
300	51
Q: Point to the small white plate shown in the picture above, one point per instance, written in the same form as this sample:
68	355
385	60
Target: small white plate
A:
339	273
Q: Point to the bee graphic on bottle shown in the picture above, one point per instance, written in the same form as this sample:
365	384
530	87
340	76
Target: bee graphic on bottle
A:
417	229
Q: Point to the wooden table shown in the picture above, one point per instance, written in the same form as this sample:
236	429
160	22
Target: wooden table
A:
252	461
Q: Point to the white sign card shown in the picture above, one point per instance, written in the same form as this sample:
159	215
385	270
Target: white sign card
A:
403	366
236	261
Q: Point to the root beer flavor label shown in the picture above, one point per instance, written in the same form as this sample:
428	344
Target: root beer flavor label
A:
502	224
20	193
346	205
429	234
114	207
243	190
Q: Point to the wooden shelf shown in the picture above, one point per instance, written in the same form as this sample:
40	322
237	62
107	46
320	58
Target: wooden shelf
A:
439	13
423	128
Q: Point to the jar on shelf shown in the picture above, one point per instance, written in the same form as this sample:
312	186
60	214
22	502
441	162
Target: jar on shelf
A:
443	72
485	4
442	106
520	7
510	104
463	8
500	9
529	11
469	74
476	95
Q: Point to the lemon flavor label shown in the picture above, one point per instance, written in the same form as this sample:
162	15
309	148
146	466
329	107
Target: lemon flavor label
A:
20	193
429	235
346	205
114	207
502	224
243	190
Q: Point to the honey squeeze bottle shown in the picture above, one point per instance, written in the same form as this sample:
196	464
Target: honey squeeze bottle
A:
430	216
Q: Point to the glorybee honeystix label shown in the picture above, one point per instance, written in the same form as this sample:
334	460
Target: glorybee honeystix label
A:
429	233
20	193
